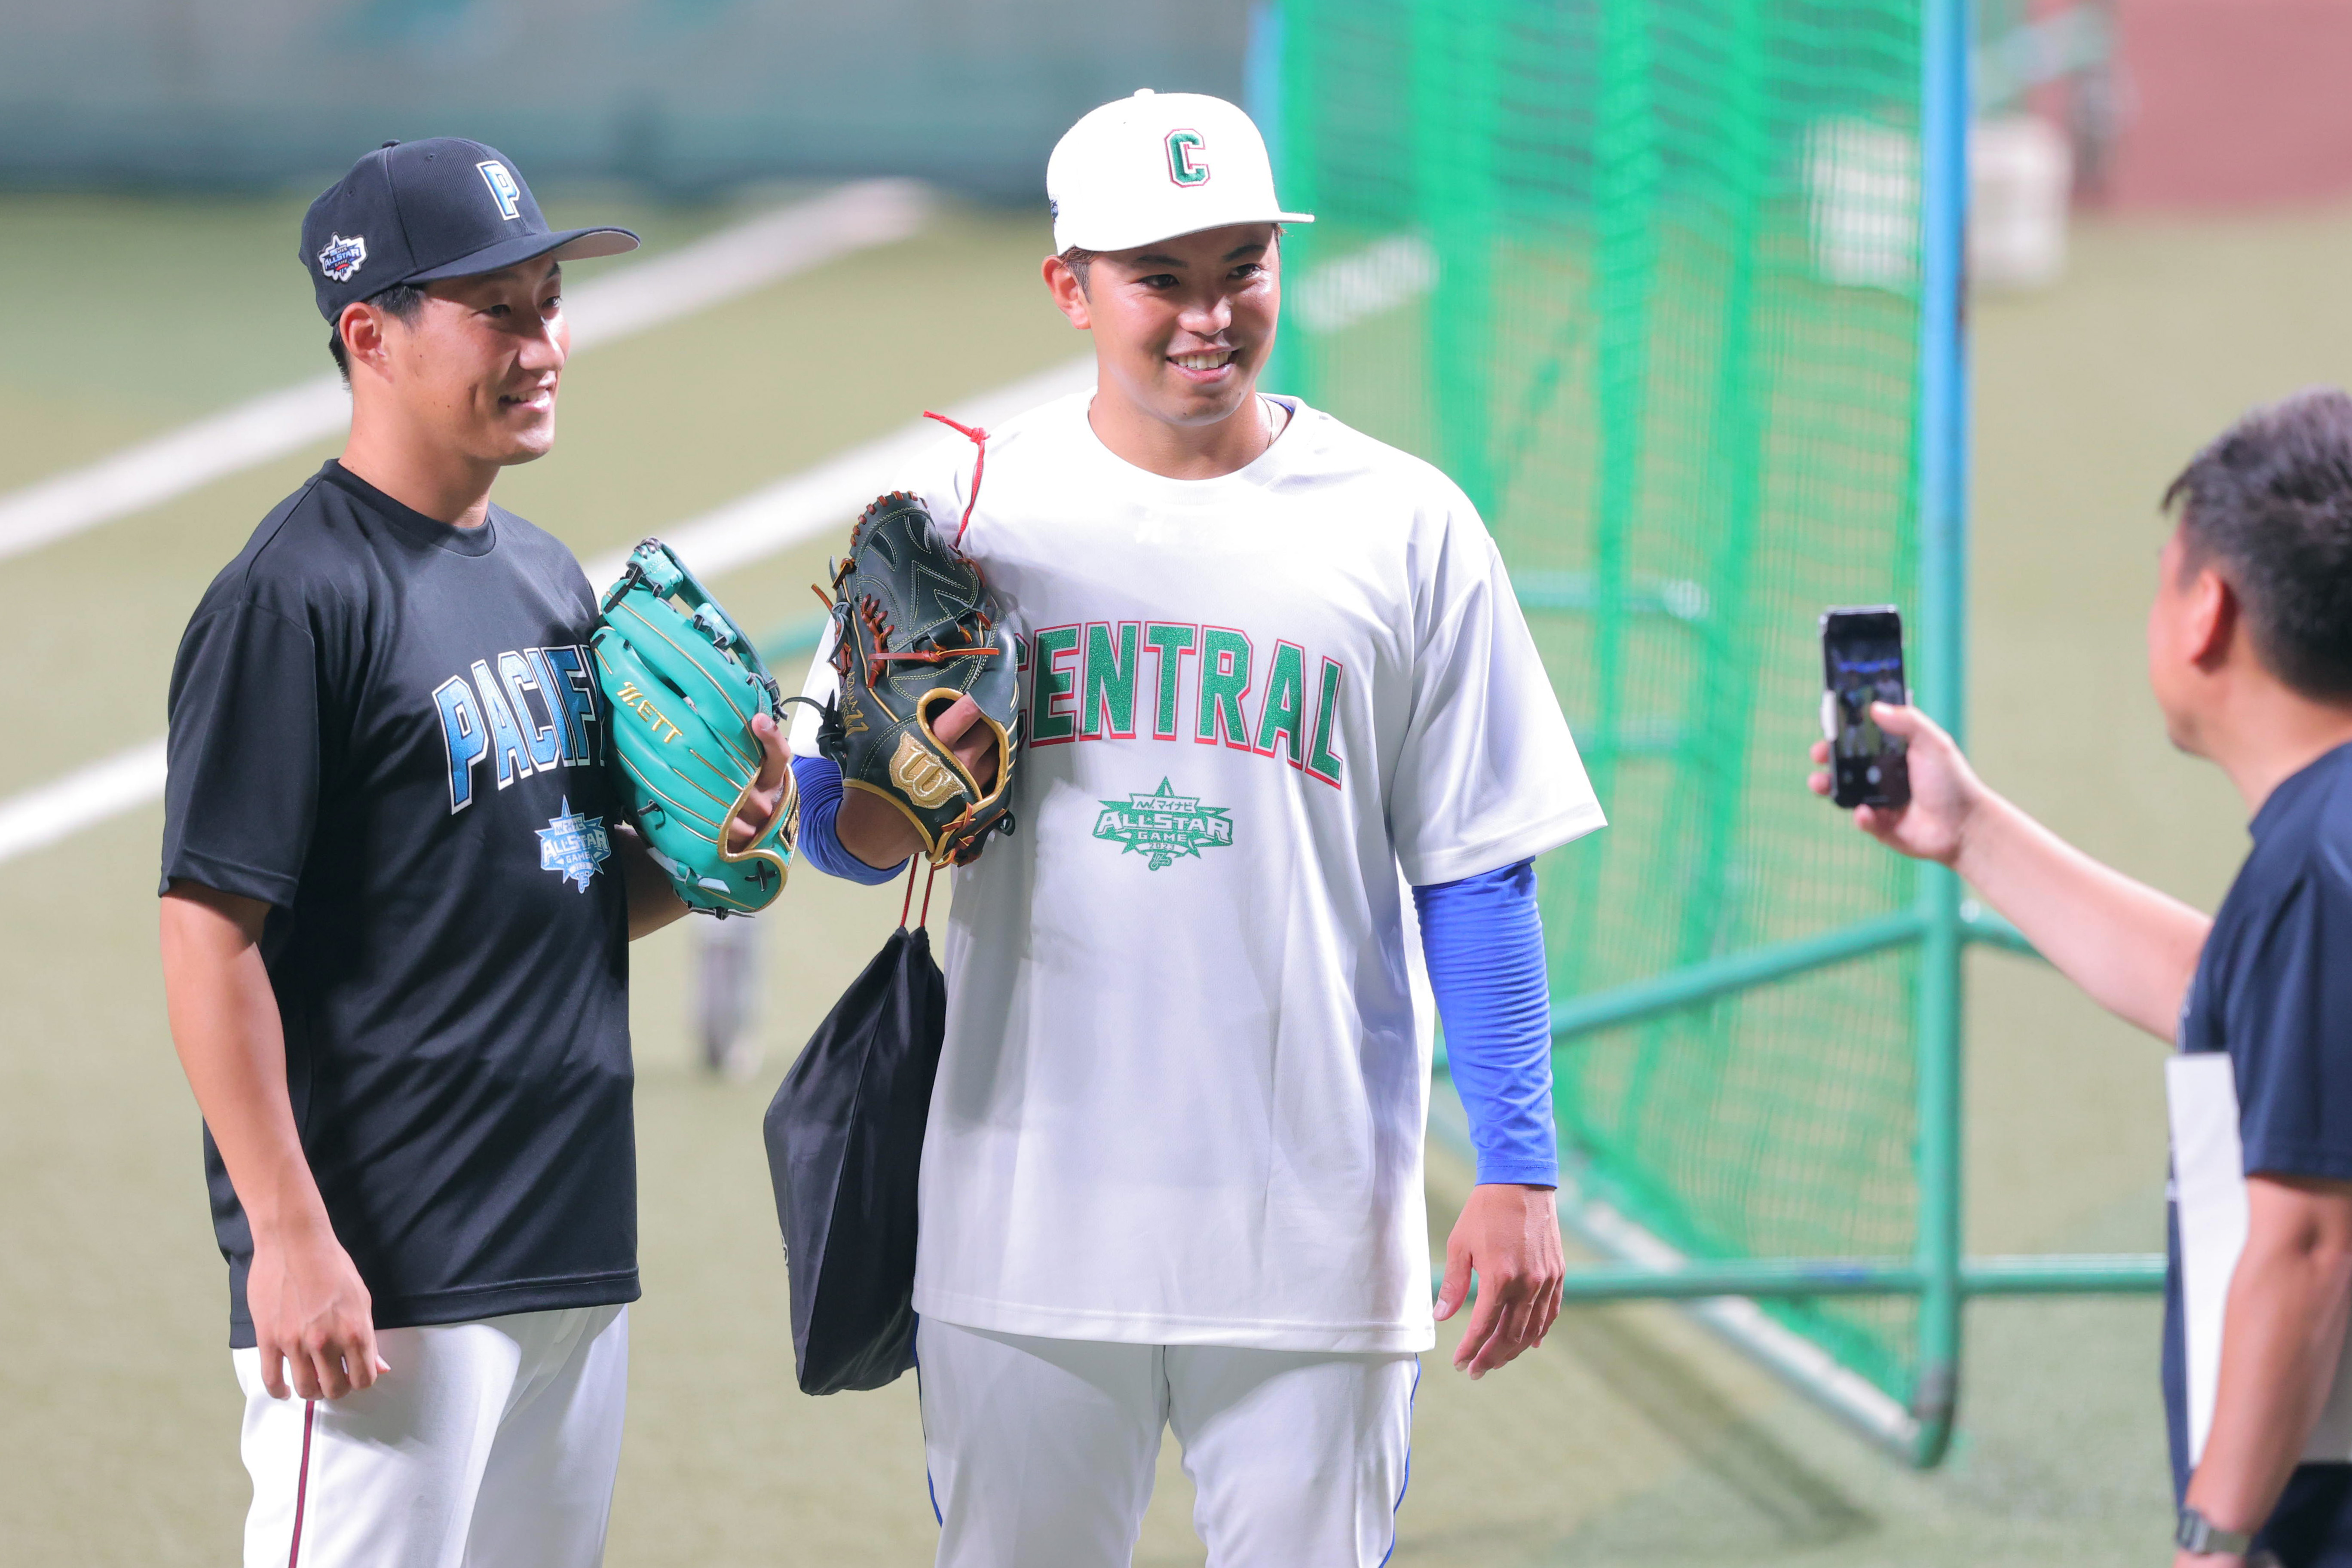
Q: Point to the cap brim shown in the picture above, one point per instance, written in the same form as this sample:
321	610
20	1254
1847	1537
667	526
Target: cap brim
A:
566	244
1117	241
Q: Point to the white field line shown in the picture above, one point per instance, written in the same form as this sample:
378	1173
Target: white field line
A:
719	266
1745	1323
830	495
803	507
1738	1319
46	813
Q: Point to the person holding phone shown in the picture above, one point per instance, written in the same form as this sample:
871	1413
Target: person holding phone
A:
2250	656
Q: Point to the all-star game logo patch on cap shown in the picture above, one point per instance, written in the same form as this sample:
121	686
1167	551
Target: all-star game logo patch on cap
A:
410	212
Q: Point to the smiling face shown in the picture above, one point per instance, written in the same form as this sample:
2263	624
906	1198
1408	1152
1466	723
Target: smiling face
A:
478	367
1182	326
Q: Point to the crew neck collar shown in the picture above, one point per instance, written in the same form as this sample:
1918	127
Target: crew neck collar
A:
1255	471
409	521
2290	789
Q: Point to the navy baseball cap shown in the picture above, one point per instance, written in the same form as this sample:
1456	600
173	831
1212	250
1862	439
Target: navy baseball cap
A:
410	212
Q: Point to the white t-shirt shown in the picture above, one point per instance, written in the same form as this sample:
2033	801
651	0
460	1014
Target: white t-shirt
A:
1183	1098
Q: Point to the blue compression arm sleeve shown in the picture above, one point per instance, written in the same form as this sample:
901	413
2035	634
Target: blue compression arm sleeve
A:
819	781
1483	938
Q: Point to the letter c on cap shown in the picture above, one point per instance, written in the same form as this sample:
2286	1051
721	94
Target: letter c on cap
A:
1184	165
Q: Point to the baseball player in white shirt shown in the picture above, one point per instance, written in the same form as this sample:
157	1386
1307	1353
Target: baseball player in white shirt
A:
1172	1176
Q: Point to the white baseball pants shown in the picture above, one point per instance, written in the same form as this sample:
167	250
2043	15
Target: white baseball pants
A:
487	1445
1042	1451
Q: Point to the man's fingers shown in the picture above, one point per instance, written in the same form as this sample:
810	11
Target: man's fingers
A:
1485	1320
961	716
273	1372
1821	751
1457	1284
1901	719
1878	821
333	1380
1509	1337
977	749
1485	1359
361	1364
1819	782
971	743
767	786
1542	1313
1471	1345
978	755
776	760
302	1370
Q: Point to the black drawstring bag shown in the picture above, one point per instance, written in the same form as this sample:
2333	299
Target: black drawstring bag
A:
845	1146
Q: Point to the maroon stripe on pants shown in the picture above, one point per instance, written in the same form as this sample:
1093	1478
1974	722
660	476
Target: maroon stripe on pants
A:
303	1483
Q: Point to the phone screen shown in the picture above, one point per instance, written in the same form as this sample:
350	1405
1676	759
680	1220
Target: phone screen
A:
1862	663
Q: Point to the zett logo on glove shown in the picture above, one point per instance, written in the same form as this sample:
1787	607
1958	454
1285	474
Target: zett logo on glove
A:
637	701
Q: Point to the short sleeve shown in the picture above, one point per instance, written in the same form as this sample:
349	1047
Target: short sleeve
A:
1487	774
2288	1023
241	795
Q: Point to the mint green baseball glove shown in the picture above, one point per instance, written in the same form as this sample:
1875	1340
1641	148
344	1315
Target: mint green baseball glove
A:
684	686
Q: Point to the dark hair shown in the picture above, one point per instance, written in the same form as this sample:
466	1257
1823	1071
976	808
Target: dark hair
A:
2270	501
400	302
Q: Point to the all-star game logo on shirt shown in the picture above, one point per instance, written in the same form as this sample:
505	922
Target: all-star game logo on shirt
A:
575	846
1163	826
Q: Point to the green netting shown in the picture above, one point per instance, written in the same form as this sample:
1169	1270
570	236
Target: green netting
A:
1641	276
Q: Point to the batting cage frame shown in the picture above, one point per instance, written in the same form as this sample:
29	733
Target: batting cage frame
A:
1447	62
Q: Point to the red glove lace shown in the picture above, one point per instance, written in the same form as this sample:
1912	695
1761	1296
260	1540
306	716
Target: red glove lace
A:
978	438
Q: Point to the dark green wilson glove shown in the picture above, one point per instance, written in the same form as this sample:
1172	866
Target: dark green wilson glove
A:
915	628
684	686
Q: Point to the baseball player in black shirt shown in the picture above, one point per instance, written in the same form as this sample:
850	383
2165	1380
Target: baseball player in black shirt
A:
397	899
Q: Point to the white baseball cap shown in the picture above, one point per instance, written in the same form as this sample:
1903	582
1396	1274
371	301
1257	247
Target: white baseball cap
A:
1157	166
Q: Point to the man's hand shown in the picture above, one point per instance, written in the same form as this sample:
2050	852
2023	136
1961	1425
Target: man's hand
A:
878	834
1509	1235
2131	947
974	742
312	1313
653	903
1945	791
767	789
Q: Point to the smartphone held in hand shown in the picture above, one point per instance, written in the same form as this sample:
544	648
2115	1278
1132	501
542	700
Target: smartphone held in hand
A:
1862	663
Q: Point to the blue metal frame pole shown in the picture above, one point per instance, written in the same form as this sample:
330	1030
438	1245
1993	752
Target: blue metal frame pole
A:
1939	687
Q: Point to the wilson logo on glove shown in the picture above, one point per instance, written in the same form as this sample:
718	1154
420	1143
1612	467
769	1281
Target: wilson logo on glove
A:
925	779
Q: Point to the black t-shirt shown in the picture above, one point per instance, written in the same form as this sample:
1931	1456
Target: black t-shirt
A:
388	730
2274	988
